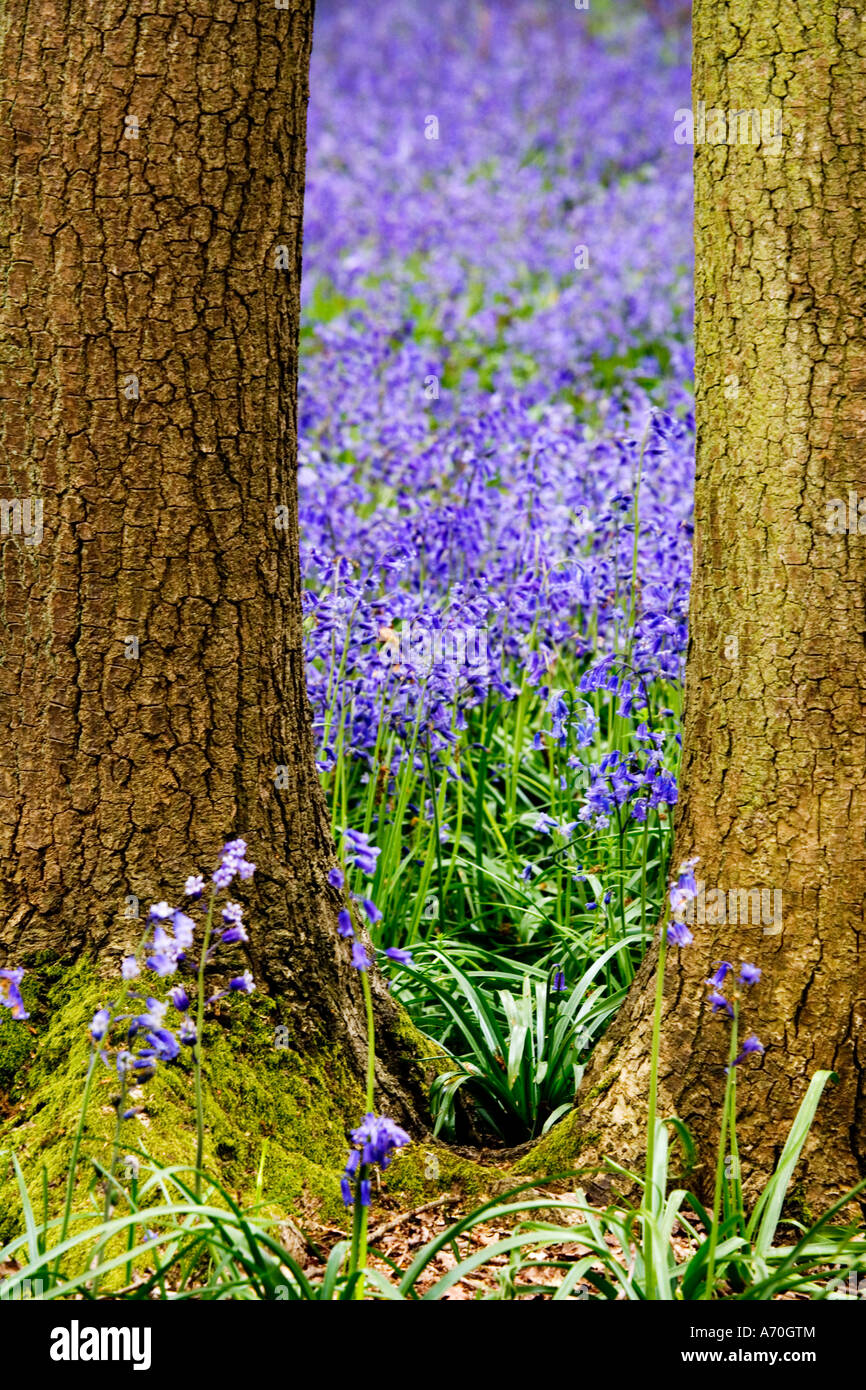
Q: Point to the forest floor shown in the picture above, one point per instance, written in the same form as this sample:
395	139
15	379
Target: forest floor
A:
396	1239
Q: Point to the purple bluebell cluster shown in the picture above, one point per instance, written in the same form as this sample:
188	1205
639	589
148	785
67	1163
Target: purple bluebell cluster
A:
680	894
720	1004
375	1142
628	785
152	1034
477	397
363	857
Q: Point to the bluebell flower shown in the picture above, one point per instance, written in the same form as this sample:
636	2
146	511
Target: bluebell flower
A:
163	1045
194	886
233	935
232	862
336	878
550	825
717	979
396	953
164	953
184	929
156	1010
362	854
560	714
558	984
10	993
750	1046
685	889
749	974
679	934
130	968
360	959
719	1003
243	984
344	924
378	1139
99	1025
179	998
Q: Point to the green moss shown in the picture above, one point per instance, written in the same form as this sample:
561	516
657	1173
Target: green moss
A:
603	1085
556	1152
797	1206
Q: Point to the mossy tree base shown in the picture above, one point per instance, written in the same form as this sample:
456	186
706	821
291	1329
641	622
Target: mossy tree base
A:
264	1097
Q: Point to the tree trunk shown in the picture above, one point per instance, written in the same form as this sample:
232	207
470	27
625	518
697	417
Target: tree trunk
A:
151	664
771	793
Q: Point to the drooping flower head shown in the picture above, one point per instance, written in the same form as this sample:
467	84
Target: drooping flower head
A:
681	894
750	1046
360	959
10	993
233	861
99	1025
170	936
375	1141
397	954
719	1004
362	854
679	934
685	889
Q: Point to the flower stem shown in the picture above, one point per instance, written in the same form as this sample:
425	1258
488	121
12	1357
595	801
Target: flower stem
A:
649	1185
76	1146
197	1054
371	1041
112	1167
727	1119
358	1256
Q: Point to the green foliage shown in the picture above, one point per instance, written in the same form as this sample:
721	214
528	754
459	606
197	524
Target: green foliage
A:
216	1248
627	1251
522	1046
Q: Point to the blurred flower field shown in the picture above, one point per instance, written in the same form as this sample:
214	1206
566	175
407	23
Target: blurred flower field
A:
496	468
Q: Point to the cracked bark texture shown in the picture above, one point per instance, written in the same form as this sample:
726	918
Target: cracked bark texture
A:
154	152
772	791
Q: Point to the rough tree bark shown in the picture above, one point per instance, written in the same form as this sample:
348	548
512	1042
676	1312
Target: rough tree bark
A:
772	788
151	669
